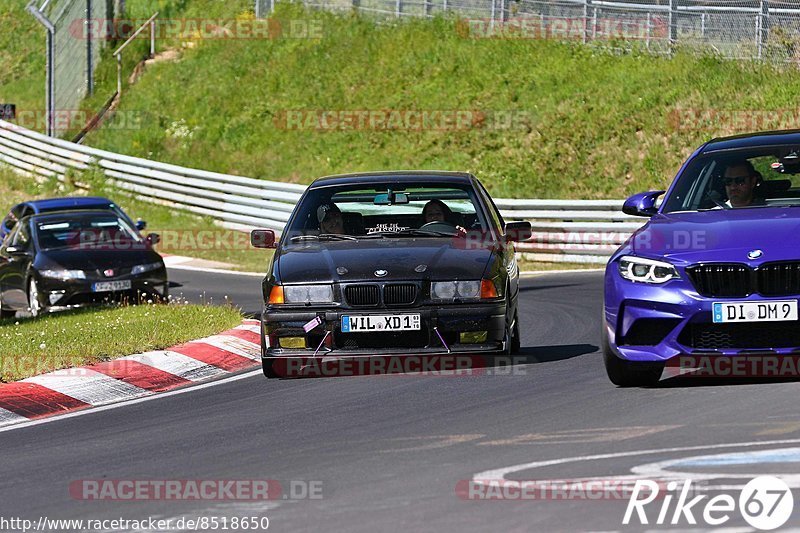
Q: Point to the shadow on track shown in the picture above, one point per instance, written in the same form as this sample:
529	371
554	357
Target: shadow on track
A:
420	365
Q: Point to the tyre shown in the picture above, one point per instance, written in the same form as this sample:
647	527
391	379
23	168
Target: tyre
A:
629	373
511	340
35	305
516	340
5	312
266	364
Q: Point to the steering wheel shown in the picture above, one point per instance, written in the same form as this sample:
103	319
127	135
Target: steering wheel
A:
440	226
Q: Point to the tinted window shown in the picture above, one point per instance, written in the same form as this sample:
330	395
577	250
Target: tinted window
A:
763	177
365	210
84	231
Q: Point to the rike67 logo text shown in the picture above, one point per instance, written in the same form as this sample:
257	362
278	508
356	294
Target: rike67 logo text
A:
765	503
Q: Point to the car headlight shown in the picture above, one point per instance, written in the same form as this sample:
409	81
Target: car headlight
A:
646	270
141	269
63	274
449	290
299	294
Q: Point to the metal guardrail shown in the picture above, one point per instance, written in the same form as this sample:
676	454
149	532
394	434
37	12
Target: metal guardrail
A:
582	231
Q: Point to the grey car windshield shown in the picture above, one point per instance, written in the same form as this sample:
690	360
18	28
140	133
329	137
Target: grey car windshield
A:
358	211
83	231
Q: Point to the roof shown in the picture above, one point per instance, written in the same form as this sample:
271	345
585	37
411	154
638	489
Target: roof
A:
60	215
50	204
412	176
753	140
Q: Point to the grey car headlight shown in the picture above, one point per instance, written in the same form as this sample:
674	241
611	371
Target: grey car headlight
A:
308	293
646	270
141	269
449	290
63	274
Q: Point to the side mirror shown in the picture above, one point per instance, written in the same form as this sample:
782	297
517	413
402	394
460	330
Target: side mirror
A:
642	204
153	238
141	224
518	231
262	238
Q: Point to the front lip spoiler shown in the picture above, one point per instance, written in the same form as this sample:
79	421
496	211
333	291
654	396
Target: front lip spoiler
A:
477	349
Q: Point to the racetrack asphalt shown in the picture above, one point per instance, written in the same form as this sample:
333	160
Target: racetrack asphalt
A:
388	451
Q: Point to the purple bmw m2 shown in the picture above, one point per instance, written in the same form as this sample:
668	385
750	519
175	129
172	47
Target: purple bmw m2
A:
716	269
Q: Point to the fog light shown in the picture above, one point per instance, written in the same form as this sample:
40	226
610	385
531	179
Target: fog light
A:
473	337
292	342
55	296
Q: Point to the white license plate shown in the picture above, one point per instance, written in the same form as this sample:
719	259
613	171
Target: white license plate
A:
775	311
109	286
376	323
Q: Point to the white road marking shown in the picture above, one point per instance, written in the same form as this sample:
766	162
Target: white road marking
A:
177	364
132	401
234	345
7	417
498	474
660	469
255	328
88	386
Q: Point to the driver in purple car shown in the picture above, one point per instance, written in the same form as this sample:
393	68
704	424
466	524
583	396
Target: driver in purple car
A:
740	181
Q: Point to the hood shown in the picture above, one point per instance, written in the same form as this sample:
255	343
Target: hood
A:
443	258
72	259
722	235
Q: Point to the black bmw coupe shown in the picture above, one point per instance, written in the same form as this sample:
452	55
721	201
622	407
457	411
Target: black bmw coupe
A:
391	263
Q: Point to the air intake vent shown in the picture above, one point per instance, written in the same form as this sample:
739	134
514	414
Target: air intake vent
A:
723	280
779	279
399	294
362	294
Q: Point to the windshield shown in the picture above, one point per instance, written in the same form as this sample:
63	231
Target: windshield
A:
736	179
85	232
435	210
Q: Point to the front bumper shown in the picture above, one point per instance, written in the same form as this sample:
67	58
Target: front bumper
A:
449	321
72	293
658	322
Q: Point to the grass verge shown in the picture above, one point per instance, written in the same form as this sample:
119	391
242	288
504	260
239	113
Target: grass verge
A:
86	336
584	121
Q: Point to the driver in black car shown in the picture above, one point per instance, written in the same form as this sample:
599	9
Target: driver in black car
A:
437	211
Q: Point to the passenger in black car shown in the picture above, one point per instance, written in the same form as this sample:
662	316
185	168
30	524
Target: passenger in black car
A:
330	219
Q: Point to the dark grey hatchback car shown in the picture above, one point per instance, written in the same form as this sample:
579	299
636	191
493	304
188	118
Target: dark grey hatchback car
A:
391	263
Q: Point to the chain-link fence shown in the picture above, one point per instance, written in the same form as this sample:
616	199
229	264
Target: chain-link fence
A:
73	51
737	29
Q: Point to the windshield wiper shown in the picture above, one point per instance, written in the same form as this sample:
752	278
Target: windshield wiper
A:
323	237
